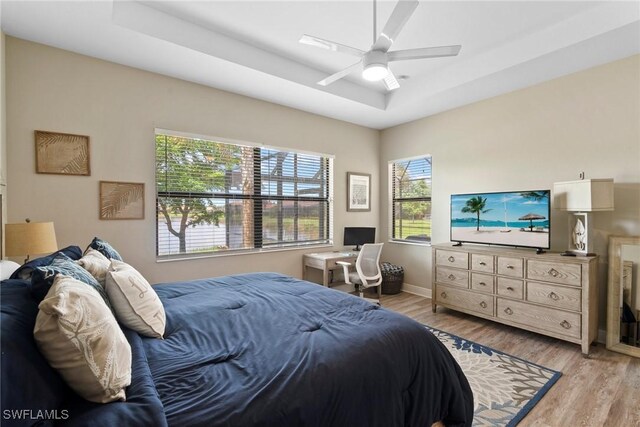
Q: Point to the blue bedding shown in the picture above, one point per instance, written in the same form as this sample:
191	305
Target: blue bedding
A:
270	350
255	350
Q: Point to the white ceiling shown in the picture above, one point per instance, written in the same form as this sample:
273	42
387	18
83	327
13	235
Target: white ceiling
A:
251	47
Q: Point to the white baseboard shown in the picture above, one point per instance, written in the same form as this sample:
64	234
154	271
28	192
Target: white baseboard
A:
416	290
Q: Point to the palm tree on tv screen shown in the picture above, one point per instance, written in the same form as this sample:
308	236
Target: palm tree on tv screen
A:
477	206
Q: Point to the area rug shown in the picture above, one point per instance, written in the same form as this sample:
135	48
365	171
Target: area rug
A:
505	388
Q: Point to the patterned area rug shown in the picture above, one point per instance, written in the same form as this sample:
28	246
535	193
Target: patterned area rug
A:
505	388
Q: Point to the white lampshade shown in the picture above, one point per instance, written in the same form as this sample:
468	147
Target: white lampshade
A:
30	238
586	195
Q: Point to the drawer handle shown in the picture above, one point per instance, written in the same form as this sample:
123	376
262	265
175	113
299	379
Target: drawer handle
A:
443	294
483	304
553	272
509	288
482	284
554	296
451	277
482	263
508	311
510	267
565	324
451	259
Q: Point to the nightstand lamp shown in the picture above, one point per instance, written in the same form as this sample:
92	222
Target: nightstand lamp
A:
30	238
582	197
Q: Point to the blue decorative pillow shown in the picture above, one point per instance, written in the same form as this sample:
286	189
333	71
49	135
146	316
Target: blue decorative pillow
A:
28	382
42	277
24	272
104	248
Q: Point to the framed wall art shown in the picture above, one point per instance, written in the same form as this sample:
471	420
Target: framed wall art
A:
62	153
358	192
121	200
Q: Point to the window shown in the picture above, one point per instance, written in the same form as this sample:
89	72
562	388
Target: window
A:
215	196
411	199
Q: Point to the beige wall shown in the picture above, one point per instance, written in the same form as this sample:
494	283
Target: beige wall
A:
119	107
529	139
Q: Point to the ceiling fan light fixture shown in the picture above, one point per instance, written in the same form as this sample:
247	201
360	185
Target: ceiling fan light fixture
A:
375	72
375	66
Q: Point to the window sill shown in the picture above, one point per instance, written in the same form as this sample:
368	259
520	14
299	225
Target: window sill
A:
185	257
405	242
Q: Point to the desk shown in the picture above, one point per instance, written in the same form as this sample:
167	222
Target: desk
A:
326	262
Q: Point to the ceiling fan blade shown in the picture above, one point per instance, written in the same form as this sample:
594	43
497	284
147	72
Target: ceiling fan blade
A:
399	17
390	81
425	52
329	45
340	74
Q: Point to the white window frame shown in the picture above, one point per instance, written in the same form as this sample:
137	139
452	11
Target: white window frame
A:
391	224
269	249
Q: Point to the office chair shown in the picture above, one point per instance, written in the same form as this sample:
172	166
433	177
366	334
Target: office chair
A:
367	272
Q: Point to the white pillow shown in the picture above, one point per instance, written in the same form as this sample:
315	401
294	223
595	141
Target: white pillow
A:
7	268
134	301
96	264
78	335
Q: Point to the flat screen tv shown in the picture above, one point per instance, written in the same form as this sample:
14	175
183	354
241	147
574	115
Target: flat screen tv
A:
359	236
515	218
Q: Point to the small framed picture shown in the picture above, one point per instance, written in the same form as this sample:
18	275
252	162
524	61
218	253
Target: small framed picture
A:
62	153
358	192
121	200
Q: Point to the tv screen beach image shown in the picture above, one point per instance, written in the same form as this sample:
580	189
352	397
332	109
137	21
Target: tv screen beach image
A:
512	219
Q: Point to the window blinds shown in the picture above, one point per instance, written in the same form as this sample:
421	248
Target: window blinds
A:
218	196
411	199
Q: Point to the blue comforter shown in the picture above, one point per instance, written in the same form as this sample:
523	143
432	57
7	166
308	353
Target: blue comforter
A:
270	350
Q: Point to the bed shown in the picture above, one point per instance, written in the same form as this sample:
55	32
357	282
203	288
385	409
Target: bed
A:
258	349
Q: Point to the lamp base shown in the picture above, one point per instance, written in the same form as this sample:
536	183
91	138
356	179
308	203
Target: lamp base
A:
578	253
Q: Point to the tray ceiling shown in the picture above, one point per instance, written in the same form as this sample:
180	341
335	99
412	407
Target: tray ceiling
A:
251	47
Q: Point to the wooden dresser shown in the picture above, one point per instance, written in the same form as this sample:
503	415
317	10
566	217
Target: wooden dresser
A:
547	293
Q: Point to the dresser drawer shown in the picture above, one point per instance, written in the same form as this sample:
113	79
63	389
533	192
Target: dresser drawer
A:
472	301
452	259
567	274
482	282
548	319
511	288
452	277
508	266
555	296
482	263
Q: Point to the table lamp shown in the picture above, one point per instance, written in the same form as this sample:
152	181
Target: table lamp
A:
30	238
582	197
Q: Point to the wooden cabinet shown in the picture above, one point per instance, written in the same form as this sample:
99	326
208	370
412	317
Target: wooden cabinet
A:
544	293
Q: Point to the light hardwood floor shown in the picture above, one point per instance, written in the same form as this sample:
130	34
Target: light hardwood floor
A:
602	390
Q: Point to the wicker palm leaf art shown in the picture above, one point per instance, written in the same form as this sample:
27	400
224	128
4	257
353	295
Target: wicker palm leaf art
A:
61	153
121	200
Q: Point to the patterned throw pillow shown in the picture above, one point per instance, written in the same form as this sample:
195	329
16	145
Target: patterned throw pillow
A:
104	248
43	277
25	271
80	338
96	264
136	304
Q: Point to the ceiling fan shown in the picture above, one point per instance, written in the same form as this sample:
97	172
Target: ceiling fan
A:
375	61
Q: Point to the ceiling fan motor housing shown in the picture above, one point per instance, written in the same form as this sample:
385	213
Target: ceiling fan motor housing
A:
375	65
375	57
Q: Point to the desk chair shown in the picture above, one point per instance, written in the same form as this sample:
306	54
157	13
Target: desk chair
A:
367	272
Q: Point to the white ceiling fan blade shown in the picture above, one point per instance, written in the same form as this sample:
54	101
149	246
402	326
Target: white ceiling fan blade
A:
399	17
340	74
329	45
390	81
425	52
